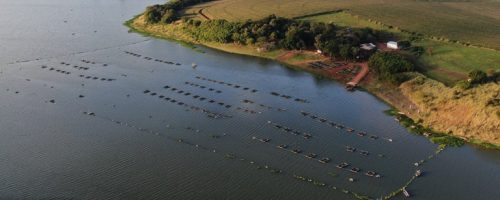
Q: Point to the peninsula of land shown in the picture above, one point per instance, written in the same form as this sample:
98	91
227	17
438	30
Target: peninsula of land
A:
390	64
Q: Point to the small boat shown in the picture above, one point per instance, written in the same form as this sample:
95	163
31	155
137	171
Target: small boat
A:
418	173
371	173
354	170
364	153
282	146
349	88
264	140
405	192
350	130
324	160
307	136
311	155
362	134
342	165
296	151
351	149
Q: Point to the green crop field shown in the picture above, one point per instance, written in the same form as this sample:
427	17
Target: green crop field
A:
474	21
448	63
442	21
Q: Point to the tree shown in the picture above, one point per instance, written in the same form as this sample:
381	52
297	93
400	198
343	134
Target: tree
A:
354	51
153	13
293	39
477	76
169	16
345	51
429	51
250	41
404	44
390	65
463	85
490	72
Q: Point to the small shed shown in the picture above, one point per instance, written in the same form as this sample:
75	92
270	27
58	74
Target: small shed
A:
392	45
368	46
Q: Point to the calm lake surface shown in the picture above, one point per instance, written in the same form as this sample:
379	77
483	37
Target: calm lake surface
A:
90	111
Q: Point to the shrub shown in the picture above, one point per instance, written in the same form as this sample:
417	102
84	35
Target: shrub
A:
167	12
478	76
388	65
447	140
463	85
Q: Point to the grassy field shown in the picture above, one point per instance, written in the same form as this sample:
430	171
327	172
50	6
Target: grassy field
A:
464	113
474	21
448	63
428	100
344	18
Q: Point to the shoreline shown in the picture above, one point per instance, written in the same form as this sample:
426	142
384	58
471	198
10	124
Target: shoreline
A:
390	95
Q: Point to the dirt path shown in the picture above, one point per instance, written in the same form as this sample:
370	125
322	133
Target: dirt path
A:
203	15
364	71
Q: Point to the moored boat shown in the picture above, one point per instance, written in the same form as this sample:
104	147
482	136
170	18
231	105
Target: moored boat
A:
342	165
296	151
418	173
364	153
354	170
311	155
350	149
371	173
405	192
264	140
324	160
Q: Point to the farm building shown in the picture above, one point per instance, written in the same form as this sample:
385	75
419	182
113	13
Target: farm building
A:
367	50
368	46
392	45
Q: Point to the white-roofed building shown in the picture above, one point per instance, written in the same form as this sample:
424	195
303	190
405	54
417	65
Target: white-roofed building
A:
392	45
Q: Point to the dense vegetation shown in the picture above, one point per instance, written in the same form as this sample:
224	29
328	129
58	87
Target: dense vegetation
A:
454	22
277	32
481	77
418	128
478	77
446	55
436	102
390	66
272	32
168	12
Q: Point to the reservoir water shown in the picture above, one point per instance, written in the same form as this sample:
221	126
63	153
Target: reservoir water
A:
91	111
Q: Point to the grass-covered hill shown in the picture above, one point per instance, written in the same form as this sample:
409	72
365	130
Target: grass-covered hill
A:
471	21
459	35
447	40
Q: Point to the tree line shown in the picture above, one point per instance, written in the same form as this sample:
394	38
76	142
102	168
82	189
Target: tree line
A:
279	32
169	12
